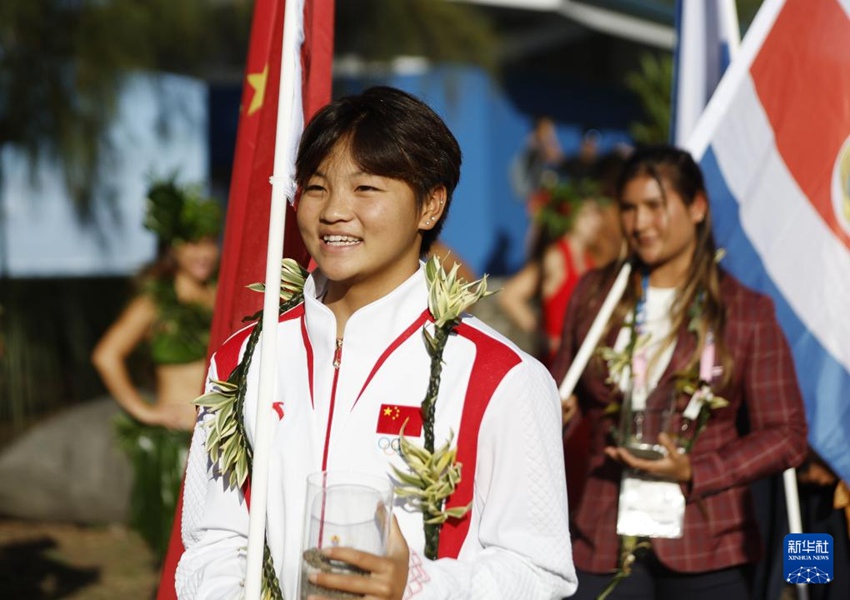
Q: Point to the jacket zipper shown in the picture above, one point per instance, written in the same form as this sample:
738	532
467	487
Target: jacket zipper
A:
336	363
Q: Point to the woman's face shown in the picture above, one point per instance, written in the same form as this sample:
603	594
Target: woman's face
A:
362	230
660	229
198	259
588	222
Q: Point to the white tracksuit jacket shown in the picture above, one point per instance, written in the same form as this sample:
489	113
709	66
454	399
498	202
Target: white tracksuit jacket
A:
501	404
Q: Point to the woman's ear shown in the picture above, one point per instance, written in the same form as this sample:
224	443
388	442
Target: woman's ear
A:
433	208
698	208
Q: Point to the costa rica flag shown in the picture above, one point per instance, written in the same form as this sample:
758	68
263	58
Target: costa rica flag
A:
774	145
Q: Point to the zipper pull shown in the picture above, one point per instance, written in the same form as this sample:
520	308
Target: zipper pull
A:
338	353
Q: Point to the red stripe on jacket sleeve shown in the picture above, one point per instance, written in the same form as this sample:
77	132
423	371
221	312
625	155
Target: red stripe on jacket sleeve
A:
493	360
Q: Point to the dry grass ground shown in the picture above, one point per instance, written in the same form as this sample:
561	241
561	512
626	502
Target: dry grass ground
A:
44	561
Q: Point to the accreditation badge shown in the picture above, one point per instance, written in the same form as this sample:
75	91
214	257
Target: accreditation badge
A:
649	507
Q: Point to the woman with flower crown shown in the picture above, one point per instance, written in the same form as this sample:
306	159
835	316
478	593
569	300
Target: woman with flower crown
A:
689	342
171	315
374	334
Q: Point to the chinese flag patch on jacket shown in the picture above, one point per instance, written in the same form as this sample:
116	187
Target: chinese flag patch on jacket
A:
392	416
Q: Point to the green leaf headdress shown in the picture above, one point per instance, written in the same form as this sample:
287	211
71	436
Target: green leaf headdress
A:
562	203
181	214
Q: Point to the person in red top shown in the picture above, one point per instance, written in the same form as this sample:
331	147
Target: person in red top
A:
576	236
552	274
688	316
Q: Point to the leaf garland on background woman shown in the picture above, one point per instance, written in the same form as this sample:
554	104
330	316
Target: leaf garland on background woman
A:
696	383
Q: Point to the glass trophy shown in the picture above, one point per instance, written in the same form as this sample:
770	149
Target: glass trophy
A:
343	509
641	420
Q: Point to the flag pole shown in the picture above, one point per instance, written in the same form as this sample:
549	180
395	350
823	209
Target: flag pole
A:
795	521
289	125
595	332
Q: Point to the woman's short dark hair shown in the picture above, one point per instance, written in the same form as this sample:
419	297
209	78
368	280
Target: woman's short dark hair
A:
391	134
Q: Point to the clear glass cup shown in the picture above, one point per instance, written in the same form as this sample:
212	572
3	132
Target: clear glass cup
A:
639	429
344	509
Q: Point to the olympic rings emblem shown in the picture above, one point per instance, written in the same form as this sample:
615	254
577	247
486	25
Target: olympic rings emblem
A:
389	446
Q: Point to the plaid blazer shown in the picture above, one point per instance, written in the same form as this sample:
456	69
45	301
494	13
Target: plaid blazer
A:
720	528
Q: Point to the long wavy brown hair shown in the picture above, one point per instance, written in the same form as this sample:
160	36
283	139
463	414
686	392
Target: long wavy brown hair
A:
675	170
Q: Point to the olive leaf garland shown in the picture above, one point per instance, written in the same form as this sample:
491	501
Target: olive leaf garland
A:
435	477
436	473
630	548
227	442
619	368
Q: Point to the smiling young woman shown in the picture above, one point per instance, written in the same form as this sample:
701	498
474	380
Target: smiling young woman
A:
682	322
376	174
364	230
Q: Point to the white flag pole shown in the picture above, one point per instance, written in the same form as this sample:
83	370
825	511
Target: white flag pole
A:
595	332
795	521
289	125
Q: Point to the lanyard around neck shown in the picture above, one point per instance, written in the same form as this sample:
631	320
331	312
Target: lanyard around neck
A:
639	362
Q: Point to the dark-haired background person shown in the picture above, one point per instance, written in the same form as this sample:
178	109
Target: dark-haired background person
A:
681	299
536	297
540	158
536	166
376	172
583	163
171	317
824	505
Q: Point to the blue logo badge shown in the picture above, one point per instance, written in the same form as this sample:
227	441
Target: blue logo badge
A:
808	558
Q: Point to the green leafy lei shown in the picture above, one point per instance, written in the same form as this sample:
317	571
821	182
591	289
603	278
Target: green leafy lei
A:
619	365
435	474
227	441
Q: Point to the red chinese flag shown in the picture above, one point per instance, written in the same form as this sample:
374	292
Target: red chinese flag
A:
392	416
243	257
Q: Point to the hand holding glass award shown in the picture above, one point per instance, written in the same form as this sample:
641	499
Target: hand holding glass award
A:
343	509
648	506
642	422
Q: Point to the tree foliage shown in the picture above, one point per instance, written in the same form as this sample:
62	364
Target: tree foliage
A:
439	30
653	81
652	84
62	61
61	64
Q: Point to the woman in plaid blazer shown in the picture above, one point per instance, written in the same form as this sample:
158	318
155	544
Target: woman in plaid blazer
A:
693	314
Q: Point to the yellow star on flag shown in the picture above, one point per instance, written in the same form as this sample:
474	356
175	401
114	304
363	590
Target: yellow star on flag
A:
388	411
258	82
